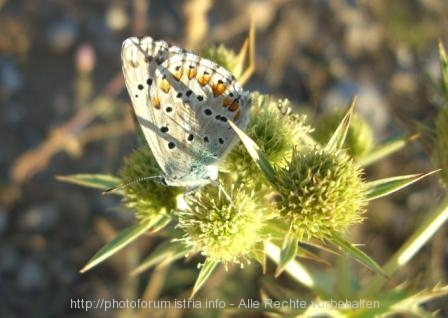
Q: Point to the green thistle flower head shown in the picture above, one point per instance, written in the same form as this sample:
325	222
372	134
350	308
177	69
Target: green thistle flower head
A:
147	198
223	230
440	150
359	140
273	129
321	193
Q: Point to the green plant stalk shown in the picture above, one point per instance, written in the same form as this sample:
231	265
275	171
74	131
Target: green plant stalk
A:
420	237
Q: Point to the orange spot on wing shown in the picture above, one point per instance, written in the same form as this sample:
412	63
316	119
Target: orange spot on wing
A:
234	106
191	72
218	88
155	102
237	115
178	73
227	102
204	79
165	85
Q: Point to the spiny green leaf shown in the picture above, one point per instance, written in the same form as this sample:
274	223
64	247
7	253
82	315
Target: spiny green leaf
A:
124	238
288	253
97	181
383	187
386	149
444	68
421	236
256	154
167	252
303	253
296	270
337	139
321	245
357	254
206	270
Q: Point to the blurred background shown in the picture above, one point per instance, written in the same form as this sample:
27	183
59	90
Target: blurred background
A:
64	110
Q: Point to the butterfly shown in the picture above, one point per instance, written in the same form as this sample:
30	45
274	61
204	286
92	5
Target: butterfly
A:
183	103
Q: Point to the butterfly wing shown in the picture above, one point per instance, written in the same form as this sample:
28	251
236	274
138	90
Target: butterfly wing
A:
140	58
182	103
196	98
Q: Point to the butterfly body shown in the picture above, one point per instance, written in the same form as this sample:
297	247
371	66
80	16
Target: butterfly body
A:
183	103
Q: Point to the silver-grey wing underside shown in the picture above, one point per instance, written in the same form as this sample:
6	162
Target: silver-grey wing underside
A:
182	103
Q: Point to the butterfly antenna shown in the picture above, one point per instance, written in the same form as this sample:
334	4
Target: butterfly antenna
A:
124	185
